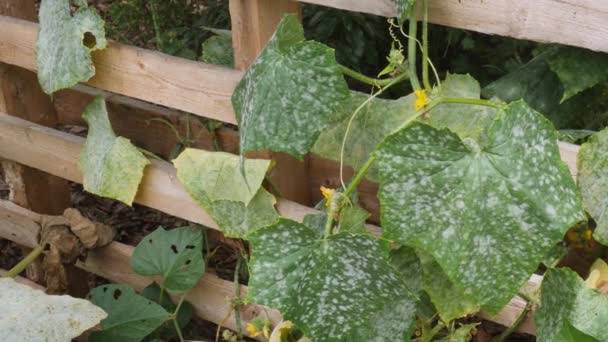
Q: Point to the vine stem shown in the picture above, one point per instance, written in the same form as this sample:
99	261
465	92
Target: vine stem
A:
425	46
175	322
366	79
237	293
411	48
25	262
520	319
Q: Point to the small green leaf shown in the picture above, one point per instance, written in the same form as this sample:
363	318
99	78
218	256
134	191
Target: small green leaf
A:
290	94
578	69
335	289
487	213
111	166
593	182
63	53
403	7
218	50
215	180
167	329
570	312
131	317
352	220
176	255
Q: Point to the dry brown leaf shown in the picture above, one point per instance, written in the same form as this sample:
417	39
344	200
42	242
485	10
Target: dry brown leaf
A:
55	275
91	234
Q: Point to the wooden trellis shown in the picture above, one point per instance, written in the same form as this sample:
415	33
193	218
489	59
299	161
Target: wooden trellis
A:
135	80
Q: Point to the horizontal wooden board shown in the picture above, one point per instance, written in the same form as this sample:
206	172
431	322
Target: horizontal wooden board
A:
198	88
582	23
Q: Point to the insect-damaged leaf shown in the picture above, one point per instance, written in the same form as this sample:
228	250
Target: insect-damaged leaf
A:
290	94
63	51
176	255
593	182
31	315
131	317
487	213
570	311
215	180
111	166
336	289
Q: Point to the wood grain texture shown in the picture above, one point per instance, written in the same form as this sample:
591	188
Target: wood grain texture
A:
582	23
198	88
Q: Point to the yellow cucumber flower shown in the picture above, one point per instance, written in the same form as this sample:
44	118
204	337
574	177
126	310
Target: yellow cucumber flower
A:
328	194
421	99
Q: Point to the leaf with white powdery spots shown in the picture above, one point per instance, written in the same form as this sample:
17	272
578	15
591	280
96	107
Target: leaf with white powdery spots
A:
111	166
570	311
62	57
290	94
32	315
593	182
403	8
334	289
488	214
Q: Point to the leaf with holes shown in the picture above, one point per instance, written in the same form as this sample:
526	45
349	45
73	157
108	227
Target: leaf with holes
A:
487	213
214	179
111	166
131	317
593	182
338	288
31	315
403	8
371	125
176	255
569	310
290	94
63	52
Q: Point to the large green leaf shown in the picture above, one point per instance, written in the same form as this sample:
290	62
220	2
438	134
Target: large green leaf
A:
131	317
335	289
487	213
62	56
29	314
215	180
464	120
578	69
290	94
593	181
176	255
111	166
569	310
371	125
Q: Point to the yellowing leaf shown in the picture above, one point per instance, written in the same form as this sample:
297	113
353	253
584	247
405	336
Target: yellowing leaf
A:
598	276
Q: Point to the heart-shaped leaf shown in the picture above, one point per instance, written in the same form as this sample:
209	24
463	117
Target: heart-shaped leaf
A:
487	213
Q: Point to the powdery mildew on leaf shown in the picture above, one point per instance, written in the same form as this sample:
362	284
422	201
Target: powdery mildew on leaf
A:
111	166
488	213
403	8
335	289
569	310
593	182
176	255
131	317
372	124
62	57
290	94
31	315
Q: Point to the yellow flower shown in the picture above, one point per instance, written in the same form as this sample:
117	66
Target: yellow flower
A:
281	332
588	234
421	99
258	327
328	194
252	330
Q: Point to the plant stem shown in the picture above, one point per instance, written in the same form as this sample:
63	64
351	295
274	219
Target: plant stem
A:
359	176
159	40
477	102
520	319
237	293
411	48
366	79
425	46
23	264
175	322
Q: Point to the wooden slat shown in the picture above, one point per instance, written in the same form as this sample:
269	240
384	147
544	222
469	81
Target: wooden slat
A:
582	23
198	88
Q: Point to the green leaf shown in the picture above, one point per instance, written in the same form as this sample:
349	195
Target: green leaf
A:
450	301
176	255
215	180
489	213
31	315
167	329
593	182
464	120
405	260
111	166
372	124
62	57
569	310
131	317
335	289
403	7
290	94
218	50
352	220
578	69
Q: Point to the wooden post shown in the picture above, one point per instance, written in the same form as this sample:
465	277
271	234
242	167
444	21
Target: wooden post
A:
253	23
21	96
